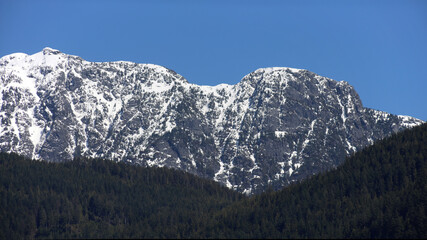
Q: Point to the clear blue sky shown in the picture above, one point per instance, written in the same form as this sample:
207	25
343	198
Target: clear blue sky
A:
379	47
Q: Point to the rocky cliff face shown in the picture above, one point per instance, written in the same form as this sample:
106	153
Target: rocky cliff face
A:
276	126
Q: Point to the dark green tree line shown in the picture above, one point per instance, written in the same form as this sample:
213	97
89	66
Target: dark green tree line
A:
379	192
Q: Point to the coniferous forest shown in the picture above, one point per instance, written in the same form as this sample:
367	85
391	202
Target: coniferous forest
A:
379	192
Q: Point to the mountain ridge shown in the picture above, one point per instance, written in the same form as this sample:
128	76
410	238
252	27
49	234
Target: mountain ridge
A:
276	126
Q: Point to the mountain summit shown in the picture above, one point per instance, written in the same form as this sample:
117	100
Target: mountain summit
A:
276	126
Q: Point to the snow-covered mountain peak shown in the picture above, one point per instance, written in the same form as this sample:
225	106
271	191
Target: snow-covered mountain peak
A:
50	51
278	69
47	57
273	75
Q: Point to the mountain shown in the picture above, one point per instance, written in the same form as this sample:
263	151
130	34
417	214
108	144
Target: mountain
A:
276	126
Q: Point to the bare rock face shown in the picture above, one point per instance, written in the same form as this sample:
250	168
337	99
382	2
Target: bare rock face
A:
276	126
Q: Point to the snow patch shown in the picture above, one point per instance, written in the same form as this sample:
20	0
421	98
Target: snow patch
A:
409	122
280	134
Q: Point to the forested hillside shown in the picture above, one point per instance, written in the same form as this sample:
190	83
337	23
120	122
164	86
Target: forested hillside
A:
379	192
102	199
